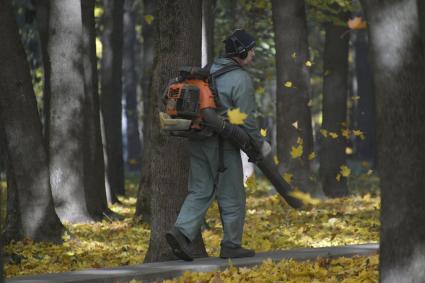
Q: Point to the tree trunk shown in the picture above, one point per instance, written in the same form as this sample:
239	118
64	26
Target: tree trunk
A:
13	229
143	205
398	52
42	14
66	141
179	24
21	121
365	113
335	88
208	19
111	90
293	115
94	166
130	87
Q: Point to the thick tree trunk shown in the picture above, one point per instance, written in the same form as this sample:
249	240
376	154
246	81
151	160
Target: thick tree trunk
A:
335	89
398	52
26	151
143	205
13	229
293	116
208	19
365	113
94	166
67	111
130	87
179	27
42	14
111	93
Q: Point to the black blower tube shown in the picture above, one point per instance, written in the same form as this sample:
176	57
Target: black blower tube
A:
266	163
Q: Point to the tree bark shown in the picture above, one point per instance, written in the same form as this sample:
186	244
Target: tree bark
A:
111	90
398	53
94	166
143	205
292	100
42	15
335	89
179	27
66	141
21	121
130	87
208	19
365	113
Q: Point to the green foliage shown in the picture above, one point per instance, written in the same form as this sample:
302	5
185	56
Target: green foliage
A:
329	11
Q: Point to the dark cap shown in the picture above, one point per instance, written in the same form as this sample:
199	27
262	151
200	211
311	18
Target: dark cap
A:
239	43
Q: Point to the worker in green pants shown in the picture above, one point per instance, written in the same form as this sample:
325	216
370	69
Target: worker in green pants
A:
235	90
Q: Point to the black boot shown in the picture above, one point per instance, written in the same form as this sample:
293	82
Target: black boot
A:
227	252
179	244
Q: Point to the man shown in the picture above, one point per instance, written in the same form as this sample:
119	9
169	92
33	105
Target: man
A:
235	90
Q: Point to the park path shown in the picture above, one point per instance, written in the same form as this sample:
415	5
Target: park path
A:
169	269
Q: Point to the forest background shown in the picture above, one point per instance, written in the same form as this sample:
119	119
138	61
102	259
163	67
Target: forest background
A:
80	95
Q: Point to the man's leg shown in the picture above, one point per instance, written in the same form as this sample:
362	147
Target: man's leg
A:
231	199
200	195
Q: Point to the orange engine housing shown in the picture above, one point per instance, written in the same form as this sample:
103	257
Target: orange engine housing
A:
186	100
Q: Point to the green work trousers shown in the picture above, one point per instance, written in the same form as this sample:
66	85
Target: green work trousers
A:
230	192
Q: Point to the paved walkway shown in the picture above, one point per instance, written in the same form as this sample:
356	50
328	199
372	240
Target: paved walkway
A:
169	269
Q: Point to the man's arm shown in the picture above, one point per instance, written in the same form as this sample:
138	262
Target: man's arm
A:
244	99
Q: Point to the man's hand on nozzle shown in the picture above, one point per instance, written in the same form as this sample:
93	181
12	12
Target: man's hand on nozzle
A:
265	149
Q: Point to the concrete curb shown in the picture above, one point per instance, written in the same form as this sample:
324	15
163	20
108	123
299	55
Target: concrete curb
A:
170	269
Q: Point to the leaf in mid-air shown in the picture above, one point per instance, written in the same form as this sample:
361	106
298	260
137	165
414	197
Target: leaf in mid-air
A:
345	171
149	19
297	151
236	117
288	84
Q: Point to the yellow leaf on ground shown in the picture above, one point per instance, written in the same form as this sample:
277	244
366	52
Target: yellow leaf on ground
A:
304	197
263	132
308	64
297	151
300	140
236	117
324	132
295	125
294	55
345	171
312	156
276	160
348	150
288	84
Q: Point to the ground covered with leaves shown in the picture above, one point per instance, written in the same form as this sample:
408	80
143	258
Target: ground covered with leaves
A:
270	225
338	270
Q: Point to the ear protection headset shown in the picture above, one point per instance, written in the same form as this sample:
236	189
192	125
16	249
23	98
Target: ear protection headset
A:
239	47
